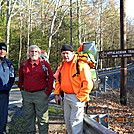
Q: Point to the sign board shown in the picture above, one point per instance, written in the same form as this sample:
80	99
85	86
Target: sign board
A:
116	53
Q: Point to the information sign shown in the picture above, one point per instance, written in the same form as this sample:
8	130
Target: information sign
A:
116	53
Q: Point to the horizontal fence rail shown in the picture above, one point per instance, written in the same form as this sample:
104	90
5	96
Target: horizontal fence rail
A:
93	127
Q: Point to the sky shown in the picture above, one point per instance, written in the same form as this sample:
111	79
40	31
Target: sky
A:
130	8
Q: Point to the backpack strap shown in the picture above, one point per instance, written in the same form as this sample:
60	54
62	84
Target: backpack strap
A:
24	63
77	69
44	67
59	76
8	63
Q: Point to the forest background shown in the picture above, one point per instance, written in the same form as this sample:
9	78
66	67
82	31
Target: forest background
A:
52	23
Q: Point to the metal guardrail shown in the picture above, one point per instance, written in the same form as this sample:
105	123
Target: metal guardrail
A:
112	78
93	127
111	68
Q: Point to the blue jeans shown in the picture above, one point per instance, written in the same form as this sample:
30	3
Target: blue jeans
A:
4	100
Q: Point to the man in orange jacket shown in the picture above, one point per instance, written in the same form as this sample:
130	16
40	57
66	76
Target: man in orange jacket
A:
76	88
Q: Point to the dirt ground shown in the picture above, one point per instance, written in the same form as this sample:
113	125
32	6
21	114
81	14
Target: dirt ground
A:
56	119
121	118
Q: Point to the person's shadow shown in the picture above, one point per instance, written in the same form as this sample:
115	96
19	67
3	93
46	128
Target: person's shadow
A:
17	124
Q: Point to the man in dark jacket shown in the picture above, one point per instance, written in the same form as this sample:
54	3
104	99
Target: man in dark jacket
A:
36	84
6	81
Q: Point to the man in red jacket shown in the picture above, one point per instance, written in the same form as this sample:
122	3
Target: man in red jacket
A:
36	84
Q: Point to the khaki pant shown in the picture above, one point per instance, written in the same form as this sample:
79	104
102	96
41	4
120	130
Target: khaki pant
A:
73	114
35	105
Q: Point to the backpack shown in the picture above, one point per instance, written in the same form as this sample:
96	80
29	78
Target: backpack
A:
88	53
44	55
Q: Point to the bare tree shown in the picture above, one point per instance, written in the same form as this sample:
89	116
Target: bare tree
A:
79	21
20	50
54	29
10	13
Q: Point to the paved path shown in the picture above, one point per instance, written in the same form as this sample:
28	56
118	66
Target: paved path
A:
15	99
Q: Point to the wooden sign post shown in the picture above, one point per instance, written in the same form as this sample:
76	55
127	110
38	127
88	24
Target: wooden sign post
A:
122	53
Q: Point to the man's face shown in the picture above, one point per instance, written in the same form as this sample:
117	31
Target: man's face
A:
67	55
3	52
34	54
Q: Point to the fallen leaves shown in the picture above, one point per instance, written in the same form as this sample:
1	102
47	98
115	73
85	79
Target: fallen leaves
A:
121	118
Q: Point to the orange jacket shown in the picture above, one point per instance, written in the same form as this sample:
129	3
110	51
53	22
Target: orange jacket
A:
81	83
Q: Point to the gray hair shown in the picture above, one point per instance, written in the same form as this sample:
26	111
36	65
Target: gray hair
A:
32	47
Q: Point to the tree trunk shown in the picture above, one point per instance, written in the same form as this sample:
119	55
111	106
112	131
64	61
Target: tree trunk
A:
20	50
52	27
71	33
8	26
79	21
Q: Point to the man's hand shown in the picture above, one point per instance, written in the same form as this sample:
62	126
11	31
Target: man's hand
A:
57	99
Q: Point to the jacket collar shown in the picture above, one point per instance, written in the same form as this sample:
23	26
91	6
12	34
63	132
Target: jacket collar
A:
36	62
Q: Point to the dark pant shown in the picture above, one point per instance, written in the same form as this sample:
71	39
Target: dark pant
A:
4	100
35	105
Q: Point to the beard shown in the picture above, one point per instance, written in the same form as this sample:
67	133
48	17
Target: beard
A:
34	57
